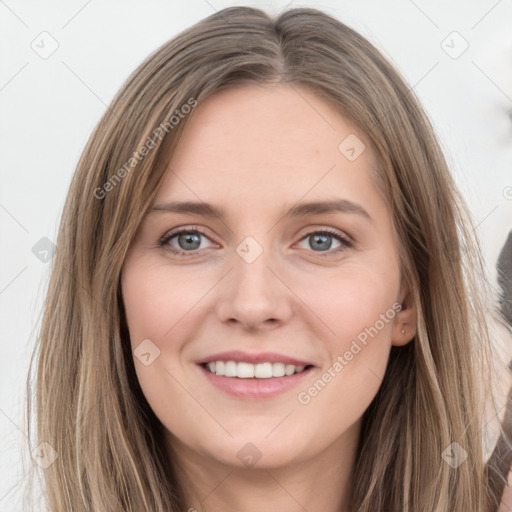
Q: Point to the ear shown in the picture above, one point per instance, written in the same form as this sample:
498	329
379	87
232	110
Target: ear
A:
404	327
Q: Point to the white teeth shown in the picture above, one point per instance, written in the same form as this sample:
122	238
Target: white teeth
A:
244	370
219	367
278	370
289	369
263	371
230	369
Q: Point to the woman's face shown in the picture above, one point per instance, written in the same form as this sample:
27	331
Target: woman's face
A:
267	287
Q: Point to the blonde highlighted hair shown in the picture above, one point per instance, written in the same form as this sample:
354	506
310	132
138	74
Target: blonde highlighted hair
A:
88	403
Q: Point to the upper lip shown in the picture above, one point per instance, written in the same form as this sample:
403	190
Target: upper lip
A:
255	358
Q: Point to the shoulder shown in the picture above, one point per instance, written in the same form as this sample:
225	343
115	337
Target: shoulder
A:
506	500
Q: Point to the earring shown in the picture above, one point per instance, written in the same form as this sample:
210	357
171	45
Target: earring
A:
403	331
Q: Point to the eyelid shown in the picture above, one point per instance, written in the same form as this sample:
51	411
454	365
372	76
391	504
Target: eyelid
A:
331	231
345	240
178	231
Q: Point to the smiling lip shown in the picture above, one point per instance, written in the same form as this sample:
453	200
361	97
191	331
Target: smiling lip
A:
262	357
254	388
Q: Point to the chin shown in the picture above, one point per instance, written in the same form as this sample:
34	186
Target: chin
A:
256	452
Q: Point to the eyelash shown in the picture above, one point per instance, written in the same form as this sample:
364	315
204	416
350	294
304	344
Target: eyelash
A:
164	241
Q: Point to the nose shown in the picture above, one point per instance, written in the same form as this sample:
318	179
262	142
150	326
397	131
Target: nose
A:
254	294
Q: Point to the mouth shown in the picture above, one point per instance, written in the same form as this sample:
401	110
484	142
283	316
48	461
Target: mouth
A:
245	370
254	376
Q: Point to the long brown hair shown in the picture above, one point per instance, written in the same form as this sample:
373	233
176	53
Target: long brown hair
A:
89	405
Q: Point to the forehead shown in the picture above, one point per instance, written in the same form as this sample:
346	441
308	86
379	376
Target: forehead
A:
268	144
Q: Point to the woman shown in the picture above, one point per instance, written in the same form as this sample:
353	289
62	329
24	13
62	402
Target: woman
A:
261	366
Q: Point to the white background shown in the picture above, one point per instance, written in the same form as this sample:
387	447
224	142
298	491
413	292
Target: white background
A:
50	106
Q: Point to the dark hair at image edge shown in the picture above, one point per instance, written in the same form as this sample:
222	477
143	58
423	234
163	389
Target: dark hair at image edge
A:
88	403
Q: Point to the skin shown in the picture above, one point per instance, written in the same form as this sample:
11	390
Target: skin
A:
256	151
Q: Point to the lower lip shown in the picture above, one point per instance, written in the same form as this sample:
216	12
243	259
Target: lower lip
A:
255	388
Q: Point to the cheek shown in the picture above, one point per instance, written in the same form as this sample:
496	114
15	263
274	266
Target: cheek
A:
354	302
359	309
159	306
165	306
156	299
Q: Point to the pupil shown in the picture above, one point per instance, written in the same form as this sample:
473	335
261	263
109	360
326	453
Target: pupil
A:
322	238
190	238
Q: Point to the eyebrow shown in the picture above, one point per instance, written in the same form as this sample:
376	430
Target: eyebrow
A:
299	210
